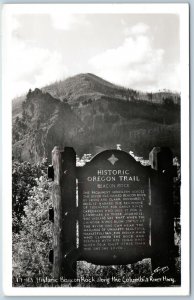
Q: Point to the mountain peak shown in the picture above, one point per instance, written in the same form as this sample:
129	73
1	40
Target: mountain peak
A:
93	77
83	84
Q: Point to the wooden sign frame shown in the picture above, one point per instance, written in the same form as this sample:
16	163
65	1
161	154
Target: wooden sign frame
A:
67	211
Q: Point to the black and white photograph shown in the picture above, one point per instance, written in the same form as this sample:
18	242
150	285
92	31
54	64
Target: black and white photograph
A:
96	106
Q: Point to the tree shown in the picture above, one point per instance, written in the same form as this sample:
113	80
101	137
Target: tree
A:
24	177
32	244
150	97
168	102
29	94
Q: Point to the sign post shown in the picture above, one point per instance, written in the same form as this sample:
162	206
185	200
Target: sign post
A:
164	250
64	204
124	211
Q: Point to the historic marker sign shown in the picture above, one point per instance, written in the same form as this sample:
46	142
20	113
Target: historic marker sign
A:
124	211
114	209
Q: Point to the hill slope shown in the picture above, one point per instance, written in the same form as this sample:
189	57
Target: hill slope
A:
73	88
87	112
89	87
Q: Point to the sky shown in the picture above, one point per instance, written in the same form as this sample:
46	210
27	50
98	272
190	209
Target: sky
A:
138	51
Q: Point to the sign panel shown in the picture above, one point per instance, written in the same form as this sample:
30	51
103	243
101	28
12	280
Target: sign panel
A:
114	209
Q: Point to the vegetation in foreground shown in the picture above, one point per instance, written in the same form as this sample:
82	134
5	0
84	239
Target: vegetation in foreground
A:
32	237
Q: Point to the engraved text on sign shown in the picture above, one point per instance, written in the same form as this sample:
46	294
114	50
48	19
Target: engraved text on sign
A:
114	202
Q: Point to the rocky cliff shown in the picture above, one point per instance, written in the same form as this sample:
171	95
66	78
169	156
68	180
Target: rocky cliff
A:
45	122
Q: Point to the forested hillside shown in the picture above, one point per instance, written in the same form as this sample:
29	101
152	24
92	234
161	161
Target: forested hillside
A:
87	112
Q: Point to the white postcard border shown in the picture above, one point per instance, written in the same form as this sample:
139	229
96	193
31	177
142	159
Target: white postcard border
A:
183	11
